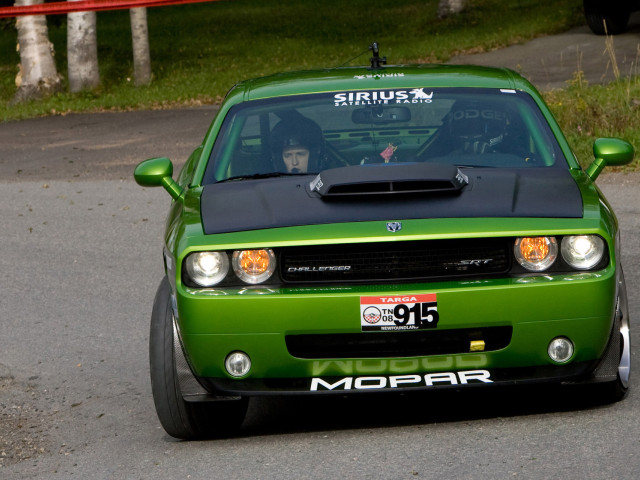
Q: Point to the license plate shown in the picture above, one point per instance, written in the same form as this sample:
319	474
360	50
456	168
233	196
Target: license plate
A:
405	312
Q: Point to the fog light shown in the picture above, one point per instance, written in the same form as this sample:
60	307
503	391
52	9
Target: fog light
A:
560	349
237	364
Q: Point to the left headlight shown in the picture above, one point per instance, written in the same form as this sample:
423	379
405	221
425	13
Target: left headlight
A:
536	253
207	269
254	266
582	251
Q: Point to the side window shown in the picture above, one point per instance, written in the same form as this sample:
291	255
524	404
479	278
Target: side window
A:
250	152
186	174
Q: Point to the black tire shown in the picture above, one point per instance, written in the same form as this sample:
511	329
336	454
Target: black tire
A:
600	12
181	419
611	392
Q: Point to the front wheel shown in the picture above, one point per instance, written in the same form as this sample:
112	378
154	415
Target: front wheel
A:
181	419
616	390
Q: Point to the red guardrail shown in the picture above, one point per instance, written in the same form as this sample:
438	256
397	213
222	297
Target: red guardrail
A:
57	8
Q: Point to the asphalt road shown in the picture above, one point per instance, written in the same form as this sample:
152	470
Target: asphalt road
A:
81	262
549	62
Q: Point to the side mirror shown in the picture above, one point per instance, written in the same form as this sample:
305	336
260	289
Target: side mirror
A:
158	172
609	152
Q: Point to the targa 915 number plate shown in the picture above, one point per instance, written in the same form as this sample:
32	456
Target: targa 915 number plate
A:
406	312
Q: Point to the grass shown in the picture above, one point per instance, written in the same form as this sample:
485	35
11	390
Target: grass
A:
586	112
199	51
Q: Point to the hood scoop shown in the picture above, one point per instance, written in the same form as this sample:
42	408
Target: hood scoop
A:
415	178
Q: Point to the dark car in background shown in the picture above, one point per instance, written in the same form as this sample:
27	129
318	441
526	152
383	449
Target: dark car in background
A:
609	17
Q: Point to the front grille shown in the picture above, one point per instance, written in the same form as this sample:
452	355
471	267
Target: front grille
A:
396	344
398	261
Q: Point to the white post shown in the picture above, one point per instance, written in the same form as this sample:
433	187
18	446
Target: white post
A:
82	51
38	74
140	40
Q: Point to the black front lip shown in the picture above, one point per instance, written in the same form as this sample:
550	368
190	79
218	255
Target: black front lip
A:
573	373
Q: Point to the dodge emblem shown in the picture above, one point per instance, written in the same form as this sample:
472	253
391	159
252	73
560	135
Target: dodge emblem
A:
394	226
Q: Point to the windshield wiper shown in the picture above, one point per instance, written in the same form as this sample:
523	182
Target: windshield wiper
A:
262	175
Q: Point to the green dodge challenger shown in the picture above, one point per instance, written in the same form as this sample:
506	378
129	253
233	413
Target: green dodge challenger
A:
393	228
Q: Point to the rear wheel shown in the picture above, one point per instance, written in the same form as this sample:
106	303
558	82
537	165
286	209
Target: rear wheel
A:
606	17
181	419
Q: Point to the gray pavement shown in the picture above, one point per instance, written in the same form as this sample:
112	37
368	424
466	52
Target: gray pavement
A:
100	146
549	62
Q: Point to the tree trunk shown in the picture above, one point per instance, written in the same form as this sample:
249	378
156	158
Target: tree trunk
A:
38	75
140	40
450	7
82	51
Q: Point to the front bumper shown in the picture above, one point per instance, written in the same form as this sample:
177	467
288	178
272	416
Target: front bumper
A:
212	324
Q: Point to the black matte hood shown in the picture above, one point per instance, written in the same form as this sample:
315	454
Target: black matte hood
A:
287	201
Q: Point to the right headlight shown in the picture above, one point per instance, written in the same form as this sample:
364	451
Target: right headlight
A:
207	269
582	251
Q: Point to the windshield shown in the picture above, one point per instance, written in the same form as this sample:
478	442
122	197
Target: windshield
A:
305	134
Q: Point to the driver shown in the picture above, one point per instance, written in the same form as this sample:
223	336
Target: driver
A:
296	146
295	157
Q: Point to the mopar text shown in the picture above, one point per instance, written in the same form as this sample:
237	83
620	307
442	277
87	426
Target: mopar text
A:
400	381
